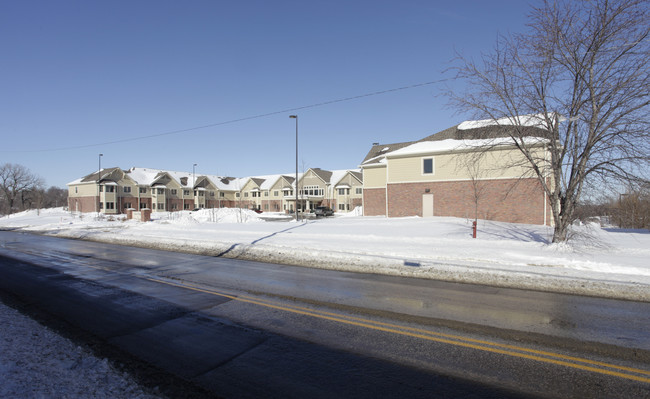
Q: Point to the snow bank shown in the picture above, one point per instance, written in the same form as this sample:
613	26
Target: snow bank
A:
35	362
602	262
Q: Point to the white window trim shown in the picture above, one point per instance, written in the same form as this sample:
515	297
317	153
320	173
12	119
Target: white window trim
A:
433	166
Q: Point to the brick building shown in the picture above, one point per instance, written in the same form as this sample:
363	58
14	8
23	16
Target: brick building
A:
113	191
471	170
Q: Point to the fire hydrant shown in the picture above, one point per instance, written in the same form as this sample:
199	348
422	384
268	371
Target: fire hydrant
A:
474	229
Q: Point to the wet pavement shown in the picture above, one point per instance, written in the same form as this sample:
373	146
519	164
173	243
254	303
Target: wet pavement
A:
250	329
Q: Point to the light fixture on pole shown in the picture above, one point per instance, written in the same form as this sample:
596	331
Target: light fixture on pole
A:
296	118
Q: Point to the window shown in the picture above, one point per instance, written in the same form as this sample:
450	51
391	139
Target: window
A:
160	191
110	205
101	205
143	205
174	191
222	194
127	205
211	193
186	206
201	193
276	193
266	193
76	190
101	189
341	207
110	189
288	193
161	206
245	194
427	166
359	190
143	190
237	195
126	189
312	191
174	207
344	191
266	207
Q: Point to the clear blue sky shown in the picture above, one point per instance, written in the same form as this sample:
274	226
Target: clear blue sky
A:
75	75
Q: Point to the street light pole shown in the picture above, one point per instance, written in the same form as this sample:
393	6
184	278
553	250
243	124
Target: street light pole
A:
193	185
99	178
296	118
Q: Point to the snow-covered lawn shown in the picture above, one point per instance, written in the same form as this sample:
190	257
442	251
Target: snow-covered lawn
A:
35	362
596	261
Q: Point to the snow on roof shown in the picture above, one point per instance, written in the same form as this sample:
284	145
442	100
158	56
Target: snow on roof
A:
269	180
427	147
147	176
536	120
378	160
337	175
143	175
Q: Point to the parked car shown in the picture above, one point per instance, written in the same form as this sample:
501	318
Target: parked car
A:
322	211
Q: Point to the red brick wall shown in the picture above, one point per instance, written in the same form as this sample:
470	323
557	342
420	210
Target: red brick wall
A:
510	200
146	201
82	204
374	201
121	201
174	201
273	205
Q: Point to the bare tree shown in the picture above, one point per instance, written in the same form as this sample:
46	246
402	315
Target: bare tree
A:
581	73
17	186
54	197
633	208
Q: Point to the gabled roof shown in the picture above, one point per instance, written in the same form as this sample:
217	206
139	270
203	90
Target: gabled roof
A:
147	176
325	175
480	131
338	175
379	150
258	181
109	174
189	180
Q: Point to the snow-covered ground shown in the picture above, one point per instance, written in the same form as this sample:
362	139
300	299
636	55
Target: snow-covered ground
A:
36	362
597	261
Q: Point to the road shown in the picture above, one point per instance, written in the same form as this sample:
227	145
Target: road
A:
250	329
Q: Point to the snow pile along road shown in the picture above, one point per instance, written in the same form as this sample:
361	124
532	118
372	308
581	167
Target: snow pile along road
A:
38	363
601	262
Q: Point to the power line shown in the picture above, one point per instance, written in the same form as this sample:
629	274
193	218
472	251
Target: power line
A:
172	132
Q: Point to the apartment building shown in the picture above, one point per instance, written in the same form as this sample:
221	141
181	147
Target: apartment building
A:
471	170
113	191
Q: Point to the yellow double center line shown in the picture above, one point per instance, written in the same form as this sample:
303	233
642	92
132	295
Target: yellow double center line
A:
486	346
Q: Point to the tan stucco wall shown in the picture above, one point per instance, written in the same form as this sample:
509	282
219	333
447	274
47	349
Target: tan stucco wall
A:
310	179
374	177
494	164
83	190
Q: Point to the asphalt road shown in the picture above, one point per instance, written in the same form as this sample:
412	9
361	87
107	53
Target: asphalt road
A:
248	329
